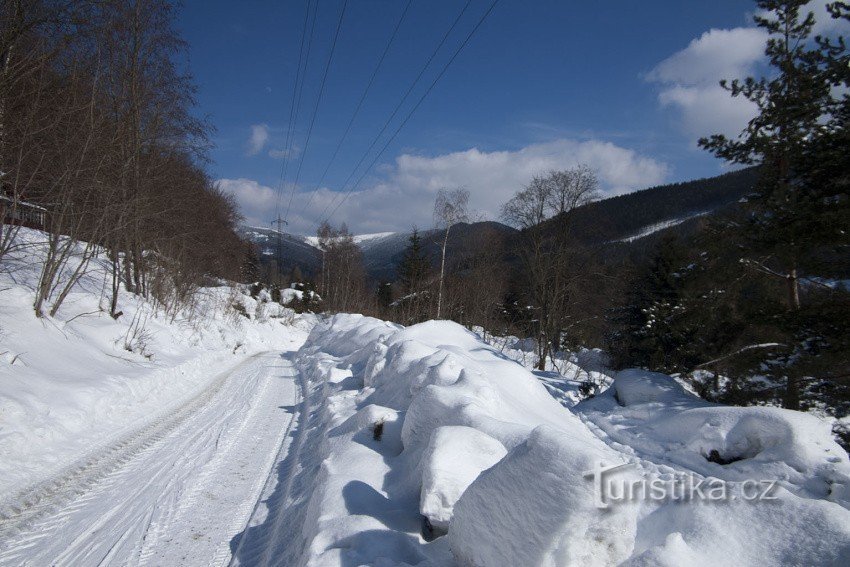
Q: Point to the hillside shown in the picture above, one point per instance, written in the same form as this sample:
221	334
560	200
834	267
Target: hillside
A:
630	217
382	252
628	223
289	250
383	256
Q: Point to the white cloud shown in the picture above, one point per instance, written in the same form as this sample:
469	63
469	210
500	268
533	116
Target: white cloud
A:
258	139
405	195
714	55
256	202
707	109
689	79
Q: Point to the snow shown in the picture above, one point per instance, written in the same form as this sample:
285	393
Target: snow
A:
455	456
288	295
534	509
361	238
78	381
357	238
473	443
653	228
175	494
656	417
207	439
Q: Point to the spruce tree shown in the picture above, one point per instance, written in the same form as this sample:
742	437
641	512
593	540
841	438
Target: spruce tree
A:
654	330
413	274
800	222
792	105
415	265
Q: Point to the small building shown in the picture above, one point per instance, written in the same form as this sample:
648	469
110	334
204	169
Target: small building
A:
19	212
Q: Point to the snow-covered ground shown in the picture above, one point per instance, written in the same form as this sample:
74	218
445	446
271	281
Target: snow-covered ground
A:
653	228
569	377
143	440
232	437
81	379
437	449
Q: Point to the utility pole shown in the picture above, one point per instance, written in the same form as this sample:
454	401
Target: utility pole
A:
279	222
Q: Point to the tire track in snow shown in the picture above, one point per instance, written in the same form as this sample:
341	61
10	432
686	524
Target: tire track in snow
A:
173	493
18	512
273	535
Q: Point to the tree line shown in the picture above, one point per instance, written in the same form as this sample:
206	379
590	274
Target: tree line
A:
98	127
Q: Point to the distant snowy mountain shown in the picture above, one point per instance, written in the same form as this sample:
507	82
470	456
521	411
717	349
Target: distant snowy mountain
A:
382	251
289	250
623	224
361	239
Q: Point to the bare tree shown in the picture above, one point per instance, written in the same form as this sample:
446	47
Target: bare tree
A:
96	126
450	208
476	290
343	278
571	188
554	260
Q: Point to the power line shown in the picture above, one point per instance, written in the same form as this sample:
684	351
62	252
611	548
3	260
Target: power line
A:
293	115
318	99
401	102
360	102
418	103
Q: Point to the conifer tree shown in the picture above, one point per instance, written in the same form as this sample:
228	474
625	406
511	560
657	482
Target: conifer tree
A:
413	275
415	265
793	105
654	330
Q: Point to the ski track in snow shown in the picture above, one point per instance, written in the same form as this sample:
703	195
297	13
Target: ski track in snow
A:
176	492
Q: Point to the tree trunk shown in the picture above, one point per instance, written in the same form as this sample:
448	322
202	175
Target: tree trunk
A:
544	352
791	399
793	289
442	273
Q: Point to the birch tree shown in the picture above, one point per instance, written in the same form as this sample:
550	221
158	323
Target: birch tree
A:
450	208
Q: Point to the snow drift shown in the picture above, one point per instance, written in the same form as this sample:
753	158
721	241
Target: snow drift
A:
437	449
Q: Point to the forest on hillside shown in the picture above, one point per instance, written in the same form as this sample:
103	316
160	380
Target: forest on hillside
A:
101	148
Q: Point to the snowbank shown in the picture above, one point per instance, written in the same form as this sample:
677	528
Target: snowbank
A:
536	508
657	418
455	456
449	407
81	380
427	431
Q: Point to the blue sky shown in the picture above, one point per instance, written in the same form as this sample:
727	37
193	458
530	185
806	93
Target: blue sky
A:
626	87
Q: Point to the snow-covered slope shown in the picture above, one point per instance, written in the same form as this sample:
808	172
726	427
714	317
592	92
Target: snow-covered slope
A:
361	239
656	227
73	382
428	431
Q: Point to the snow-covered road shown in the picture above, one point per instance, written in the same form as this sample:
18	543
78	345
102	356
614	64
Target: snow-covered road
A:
177	492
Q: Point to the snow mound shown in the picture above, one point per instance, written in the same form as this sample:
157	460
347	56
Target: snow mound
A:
454	458
658	418
634	387
430	431
536	508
